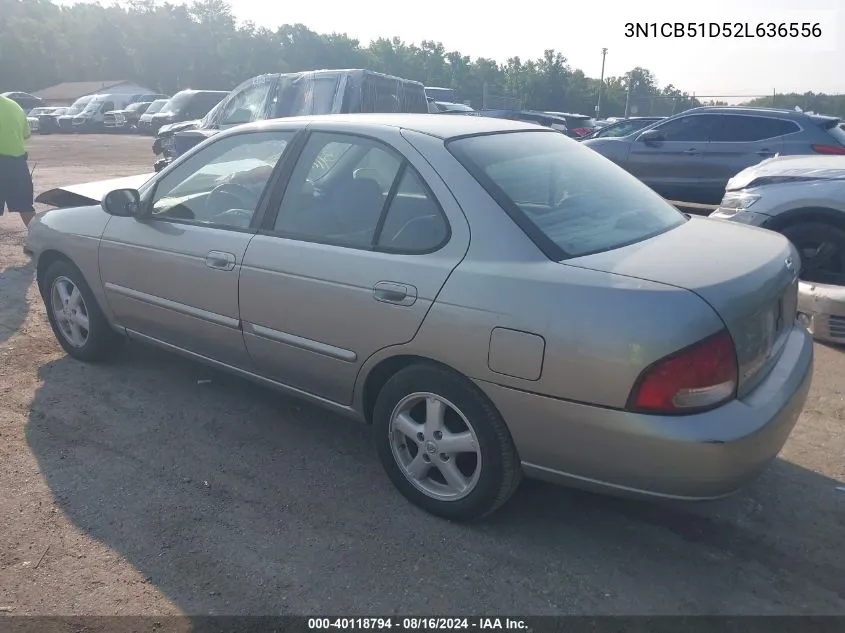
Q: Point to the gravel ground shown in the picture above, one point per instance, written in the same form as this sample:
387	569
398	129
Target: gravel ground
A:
132	488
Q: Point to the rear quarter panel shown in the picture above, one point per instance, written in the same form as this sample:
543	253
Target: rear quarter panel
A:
600	330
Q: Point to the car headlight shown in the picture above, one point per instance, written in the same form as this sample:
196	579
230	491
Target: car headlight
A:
738	201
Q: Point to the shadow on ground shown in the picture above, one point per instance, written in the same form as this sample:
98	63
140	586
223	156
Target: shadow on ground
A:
14	284
234	500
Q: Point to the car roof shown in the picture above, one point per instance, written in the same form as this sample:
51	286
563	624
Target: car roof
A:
436	125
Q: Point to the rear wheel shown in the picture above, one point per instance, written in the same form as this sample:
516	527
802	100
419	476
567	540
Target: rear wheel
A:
77	321
822	250
443	444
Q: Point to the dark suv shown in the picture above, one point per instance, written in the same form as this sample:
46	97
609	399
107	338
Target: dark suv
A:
691	156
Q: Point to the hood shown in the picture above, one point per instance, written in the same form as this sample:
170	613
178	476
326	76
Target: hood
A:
117	111
782	169
89	193
178	127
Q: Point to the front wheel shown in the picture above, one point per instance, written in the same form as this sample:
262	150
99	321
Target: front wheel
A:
443	444
77	321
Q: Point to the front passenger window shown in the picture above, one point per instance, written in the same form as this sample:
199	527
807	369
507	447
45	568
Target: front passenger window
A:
696	128
222	184
338	190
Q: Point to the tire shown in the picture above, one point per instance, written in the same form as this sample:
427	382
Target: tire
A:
824	238
99	341
486	443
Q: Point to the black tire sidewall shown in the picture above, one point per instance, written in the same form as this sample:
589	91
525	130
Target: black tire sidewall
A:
814	231
494	441
100	334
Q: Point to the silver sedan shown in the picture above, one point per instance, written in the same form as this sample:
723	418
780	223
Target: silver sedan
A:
492	297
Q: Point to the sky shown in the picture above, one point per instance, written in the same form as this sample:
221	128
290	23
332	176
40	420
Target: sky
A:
717	66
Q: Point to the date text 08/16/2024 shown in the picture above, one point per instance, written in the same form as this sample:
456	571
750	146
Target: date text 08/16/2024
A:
771	30
415	624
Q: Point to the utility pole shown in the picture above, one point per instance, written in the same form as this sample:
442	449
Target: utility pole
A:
601	82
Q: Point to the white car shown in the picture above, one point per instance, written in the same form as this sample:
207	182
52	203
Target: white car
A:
32	117
802	197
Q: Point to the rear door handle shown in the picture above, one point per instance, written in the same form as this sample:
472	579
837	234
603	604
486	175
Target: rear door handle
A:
691	150
220	260
392	292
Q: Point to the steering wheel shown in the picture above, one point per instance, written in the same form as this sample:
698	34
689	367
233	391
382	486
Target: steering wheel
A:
228	197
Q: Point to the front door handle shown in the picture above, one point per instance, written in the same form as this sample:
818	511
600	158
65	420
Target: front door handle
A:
691	151
220	260
392	292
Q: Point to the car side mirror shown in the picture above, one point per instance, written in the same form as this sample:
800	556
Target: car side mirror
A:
123	203
651	137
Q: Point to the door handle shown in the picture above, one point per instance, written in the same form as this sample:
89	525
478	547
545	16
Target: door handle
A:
691	150
220	260
392	292
763	152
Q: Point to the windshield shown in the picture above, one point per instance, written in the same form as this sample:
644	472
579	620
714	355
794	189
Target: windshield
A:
622	128
78	105
93	105
59	111
177	102
156	106
142	105
208	118
575	199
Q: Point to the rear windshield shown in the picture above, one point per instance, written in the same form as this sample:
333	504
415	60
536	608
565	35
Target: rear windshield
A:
838	133
571	200
578	123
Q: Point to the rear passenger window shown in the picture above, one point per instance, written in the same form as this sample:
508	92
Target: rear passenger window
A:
356	192
413	223
738	129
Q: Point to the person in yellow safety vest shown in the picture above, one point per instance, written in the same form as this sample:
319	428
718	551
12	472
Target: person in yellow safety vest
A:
16	190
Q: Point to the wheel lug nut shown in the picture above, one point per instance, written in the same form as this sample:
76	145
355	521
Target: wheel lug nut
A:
420	437
438	435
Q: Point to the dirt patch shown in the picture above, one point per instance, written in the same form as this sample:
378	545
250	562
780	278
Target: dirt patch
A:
136	487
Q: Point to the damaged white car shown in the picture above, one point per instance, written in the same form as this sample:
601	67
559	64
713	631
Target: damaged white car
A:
802	197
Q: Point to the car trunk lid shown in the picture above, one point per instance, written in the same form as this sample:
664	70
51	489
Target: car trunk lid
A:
747	275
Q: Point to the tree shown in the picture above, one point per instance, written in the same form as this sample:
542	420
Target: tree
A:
170	47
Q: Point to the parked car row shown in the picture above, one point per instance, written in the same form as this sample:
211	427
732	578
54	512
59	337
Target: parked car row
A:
91	113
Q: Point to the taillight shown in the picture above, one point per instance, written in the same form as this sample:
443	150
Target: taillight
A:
581	131
829	149
698	377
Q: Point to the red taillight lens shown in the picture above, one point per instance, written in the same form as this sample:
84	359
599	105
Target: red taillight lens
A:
698	377
838	150
581	131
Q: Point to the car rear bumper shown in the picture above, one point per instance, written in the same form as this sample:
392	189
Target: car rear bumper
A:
695	457
824	307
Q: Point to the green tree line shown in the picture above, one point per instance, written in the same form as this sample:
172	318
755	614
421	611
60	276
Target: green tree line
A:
169	47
